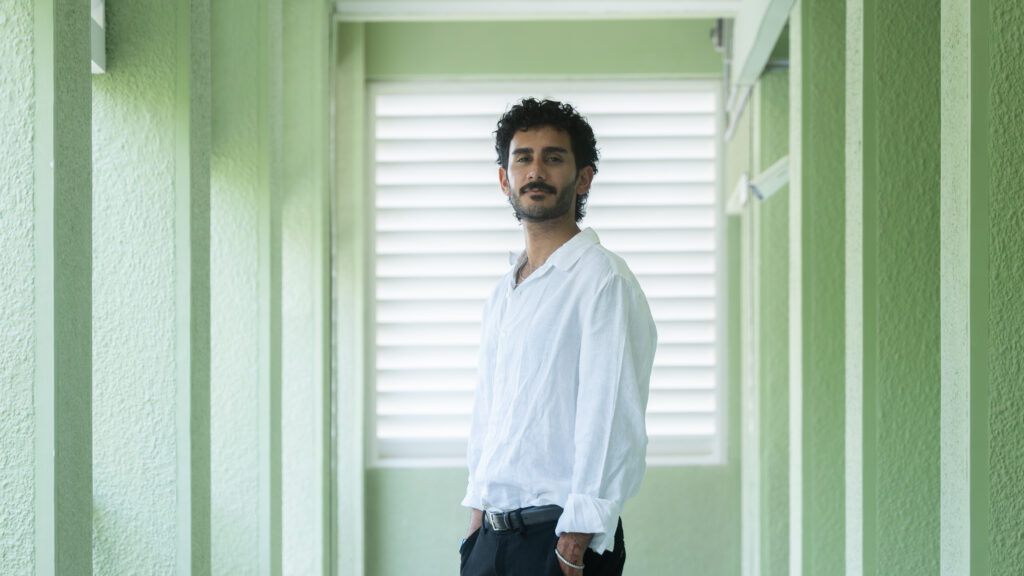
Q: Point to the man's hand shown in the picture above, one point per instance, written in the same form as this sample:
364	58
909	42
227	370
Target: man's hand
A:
572	546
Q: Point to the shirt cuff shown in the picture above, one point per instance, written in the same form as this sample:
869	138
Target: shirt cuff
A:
472	500
588	515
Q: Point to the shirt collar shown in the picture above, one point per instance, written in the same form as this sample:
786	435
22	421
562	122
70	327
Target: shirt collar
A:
567	254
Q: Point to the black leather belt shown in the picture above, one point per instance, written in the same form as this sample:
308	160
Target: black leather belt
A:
516	520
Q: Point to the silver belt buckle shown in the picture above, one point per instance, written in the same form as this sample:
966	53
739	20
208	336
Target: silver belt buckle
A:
498	521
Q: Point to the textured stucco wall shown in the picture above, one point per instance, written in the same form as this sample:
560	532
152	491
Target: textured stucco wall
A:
750	433
822	198
234	297
45	294
269	168
907	160
1007	287
269	287
302	389
17	289
349	288
134	305
150	309
64	389
194	307
305	291
773	247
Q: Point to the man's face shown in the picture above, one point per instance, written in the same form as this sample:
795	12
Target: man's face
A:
541	181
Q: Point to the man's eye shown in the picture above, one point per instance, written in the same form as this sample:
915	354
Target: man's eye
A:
554	159
522	159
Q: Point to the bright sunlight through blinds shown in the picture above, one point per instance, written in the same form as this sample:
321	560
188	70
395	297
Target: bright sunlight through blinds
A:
443	233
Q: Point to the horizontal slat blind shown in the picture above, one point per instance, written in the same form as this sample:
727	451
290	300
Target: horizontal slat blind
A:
443	232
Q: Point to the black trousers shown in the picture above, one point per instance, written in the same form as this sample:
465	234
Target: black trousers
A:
531	552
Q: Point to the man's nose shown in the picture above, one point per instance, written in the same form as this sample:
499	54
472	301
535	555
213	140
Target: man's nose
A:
536	172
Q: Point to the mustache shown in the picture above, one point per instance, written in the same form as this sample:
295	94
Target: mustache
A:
538	186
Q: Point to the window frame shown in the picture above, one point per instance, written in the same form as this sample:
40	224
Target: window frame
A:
720	446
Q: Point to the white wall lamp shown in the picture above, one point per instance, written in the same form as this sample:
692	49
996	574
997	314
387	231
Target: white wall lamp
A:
771	180
761	187
99	37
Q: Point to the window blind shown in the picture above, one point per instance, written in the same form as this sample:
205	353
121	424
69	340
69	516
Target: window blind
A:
443	232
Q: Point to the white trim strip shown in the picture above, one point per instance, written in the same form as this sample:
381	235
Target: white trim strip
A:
385	10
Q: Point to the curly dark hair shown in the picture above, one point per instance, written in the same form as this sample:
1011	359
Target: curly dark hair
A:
531	113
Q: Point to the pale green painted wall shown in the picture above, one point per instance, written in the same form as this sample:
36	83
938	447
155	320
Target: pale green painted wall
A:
893	240
305	299
133	244
761	138
905	157
773	330
818	197
1005	22
474	50
45	292
234	267
246	329
138	161
17	287
350	294
192	252
270	288
151	332
930	456
526	49
740	155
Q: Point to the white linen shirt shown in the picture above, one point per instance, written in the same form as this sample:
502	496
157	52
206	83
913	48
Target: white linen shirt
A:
564	375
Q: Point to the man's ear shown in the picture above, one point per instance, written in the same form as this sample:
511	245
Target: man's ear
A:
583	180
503	181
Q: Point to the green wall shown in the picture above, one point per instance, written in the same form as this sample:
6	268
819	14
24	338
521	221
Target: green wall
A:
671	49
773	328
1001	24
906	404
981	462
45	290
517	49
306	290
270	288
234	267
351	257
110	455
761	138
927	484
817	330
151	148
896	223
18	270
875	307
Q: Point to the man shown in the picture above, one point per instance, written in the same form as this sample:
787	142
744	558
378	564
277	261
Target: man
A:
558	440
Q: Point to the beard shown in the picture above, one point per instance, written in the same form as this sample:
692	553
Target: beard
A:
564	202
